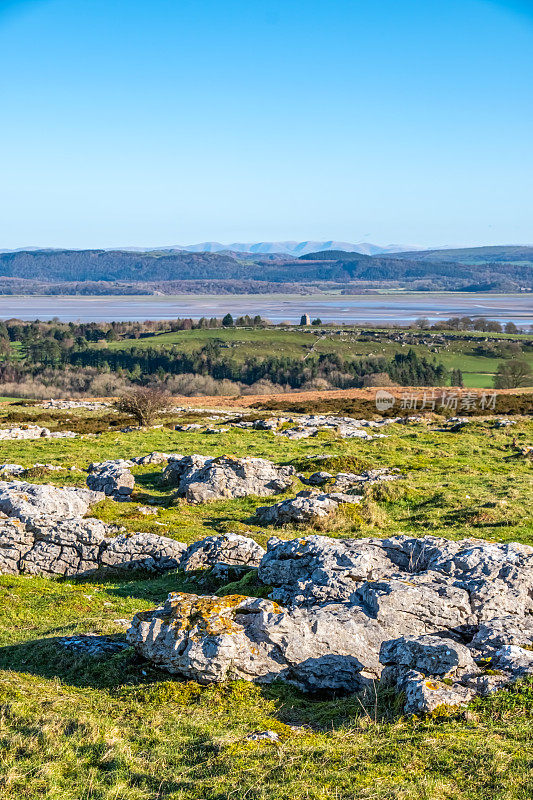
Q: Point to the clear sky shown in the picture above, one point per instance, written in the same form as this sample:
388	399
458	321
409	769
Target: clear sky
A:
128	122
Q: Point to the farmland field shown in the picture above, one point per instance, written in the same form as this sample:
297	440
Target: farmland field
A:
239	344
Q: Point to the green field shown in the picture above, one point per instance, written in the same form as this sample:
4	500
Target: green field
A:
243	343
115	728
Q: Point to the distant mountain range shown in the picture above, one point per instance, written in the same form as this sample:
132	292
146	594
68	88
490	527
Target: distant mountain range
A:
294	248
291	248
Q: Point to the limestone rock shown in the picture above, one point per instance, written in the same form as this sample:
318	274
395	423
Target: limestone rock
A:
29	501
513	659
146	551
152	458
424	695
431	655
501	631
34	432
15	542
212	639
468	581
317	478
305	507
408	609
77	546
344	481
93	645
231	549
113	478
200	479
12	469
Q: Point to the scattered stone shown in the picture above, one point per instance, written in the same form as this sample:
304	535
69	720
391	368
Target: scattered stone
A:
317	478
454	424
230	549
500	632
257	736
67	404
430	655
152	458
200	479
343	481
12	469
34	432
267	424
513	659
146	551
191	426
425	695
297	433
147	511
92	644
227	573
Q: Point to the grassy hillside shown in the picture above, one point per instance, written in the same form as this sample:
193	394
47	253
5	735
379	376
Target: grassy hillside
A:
115	728
456	353
515	254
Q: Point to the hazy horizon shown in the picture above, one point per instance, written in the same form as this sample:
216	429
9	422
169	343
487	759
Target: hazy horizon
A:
145	248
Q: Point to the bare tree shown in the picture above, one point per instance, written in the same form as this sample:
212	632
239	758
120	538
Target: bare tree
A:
143	403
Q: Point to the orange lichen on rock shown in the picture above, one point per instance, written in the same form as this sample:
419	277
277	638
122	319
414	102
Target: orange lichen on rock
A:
209	615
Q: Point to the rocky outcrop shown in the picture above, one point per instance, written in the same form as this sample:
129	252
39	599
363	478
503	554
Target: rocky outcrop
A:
211	639
30	501
78	546
230	549
45	533
200	479
113	478
306	425
146	551
436	671
427	615
342	481
12	469
496	578
306	507
34	432
90	405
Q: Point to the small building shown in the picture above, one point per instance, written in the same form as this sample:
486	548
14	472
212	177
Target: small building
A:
305	319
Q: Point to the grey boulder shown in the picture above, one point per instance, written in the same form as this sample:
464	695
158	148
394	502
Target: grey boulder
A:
430	655
113	478
304	508
425	695
230	549
28	501
212	639
200	479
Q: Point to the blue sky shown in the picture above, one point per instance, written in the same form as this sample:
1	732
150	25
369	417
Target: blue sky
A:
177	121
